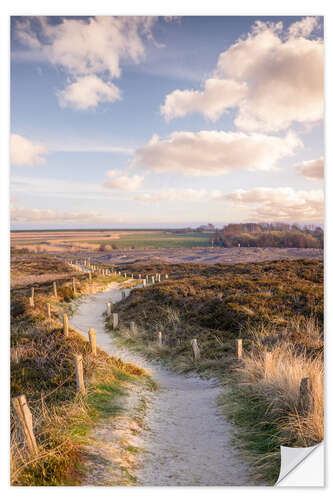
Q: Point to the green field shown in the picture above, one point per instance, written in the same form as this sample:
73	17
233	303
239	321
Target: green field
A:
156	240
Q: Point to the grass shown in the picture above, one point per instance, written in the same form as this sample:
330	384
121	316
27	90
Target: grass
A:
218	304
42	369
257	437
26	265
264	402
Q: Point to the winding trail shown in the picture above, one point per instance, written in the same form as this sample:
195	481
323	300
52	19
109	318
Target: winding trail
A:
186	440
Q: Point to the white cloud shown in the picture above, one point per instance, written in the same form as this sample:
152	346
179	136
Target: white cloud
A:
304	27
217	96
26	215
87	92
173	195
93	46
25	152
279	204
275	78
214	152
312	169
118	180
284	77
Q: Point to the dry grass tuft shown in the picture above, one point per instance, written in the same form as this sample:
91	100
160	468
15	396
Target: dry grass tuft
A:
264	399
276	380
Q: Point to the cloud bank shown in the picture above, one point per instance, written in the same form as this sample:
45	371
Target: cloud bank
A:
279	204
87	92
212	102
214	152
22	215
118	180
312	169
25	152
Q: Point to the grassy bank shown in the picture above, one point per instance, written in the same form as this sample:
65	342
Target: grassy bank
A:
42	369
275	308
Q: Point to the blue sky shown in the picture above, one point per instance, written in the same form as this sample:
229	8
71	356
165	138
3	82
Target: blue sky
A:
234	104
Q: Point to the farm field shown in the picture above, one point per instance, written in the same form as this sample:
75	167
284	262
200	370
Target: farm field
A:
158	240
85	240
121	247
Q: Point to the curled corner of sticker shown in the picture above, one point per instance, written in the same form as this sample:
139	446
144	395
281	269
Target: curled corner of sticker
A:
302	466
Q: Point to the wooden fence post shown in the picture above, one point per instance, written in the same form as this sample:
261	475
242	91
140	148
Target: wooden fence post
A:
74	286
195	349
79	374
144	283
24	414
108	309
32	292
89	274
306	399
55	290
92	340
115	320
152	280
239	348
65	321
132	328
48	308
159	338
31	302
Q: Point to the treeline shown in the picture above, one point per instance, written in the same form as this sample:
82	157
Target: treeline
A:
269	235
204	228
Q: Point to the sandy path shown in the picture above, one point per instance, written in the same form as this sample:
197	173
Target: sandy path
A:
186	441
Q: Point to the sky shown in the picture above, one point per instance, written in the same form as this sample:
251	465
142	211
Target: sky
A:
129	122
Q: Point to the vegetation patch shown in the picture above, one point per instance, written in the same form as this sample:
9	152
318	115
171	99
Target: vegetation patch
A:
276	308
42	368
269	235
